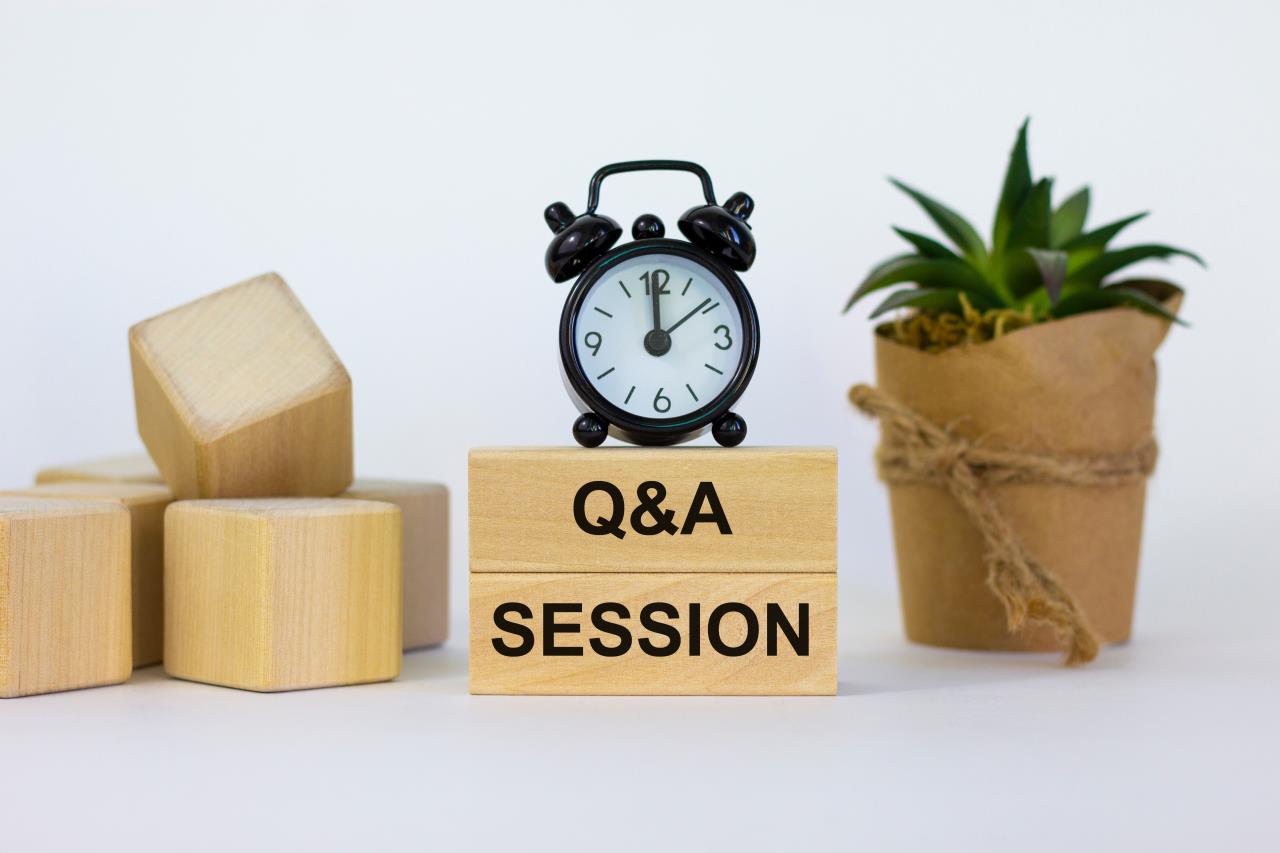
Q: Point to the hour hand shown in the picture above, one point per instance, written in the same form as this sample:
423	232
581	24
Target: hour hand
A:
677	323
657	342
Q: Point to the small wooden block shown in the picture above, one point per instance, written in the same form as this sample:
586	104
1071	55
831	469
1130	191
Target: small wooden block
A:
763	658
780	504
134	468
282	594
653	571
238	395
425	508
64	595
146	505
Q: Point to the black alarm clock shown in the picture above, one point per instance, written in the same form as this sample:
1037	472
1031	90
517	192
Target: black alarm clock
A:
658	338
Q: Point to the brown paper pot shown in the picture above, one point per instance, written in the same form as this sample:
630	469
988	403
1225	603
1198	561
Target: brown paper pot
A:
1082	385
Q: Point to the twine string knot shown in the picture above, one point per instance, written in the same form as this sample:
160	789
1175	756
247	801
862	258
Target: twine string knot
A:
916	450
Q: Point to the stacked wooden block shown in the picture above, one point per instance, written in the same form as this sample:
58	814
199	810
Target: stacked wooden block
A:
270	571
653	571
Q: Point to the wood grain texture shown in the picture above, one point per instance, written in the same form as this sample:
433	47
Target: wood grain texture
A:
635	672
146	504
132	468
425	511
238	394
64	595
282	594
780	503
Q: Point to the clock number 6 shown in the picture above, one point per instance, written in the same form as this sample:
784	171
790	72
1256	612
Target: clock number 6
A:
728	341
664	405
594	345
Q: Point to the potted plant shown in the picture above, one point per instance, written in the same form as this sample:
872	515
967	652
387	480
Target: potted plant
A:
1016	393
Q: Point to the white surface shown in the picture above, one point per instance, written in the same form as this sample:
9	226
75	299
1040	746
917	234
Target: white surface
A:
393	161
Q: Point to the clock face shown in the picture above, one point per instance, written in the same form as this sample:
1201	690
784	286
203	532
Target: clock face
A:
659	336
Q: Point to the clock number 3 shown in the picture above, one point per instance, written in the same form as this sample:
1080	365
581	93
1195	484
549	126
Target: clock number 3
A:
721	330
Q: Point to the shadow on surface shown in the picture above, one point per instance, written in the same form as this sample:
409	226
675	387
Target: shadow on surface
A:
436	663
906	667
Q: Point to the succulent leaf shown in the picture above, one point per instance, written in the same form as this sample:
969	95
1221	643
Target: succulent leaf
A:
1068	220
1017	183
951	274
1093	272
925	297
1110	297
1089	245
926	246
1053	270
1031	224
955	226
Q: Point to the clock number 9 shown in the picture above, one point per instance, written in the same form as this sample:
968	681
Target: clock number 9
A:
661	402
728	341
594	345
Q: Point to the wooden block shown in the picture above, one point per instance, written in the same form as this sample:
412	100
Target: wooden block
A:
64	595
779	504
239	395
282	594
721	655
653	571
146	505
134	468
425	510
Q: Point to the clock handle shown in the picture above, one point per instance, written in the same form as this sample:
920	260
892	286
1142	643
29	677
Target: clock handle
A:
593	193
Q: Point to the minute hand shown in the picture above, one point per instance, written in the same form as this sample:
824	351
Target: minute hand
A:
677	323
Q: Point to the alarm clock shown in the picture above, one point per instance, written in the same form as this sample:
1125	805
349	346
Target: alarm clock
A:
658	337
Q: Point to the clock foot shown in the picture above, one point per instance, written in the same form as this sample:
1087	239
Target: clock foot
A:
590	430
729	430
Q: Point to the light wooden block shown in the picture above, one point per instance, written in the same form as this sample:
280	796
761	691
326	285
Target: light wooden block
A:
133	468
238	394
723	559
780	503
282	594
806	602
146	505
425	510
64	595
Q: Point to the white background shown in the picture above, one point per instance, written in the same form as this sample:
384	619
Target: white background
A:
392	162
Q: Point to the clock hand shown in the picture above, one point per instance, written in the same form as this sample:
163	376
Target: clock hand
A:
657	304
656	341
677	323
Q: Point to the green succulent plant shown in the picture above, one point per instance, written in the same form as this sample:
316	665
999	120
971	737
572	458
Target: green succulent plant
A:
1041	261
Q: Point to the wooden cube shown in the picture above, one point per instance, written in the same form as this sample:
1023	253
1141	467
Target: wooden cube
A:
146	505
134	468
281	594
653	571
425	510
64	595
239	395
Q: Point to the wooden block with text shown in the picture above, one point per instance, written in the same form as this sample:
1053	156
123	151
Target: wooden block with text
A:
282	594
133	468
64	595
425	509
653	571
238	394
146	504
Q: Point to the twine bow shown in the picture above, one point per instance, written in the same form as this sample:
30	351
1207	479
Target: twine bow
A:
916	450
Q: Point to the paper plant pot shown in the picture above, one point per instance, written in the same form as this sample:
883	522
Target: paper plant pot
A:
1084	385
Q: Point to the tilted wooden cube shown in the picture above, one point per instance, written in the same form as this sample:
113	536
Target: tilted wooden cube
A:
146	505
238	394
281	594
425	508
653	571
133	468
64	595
